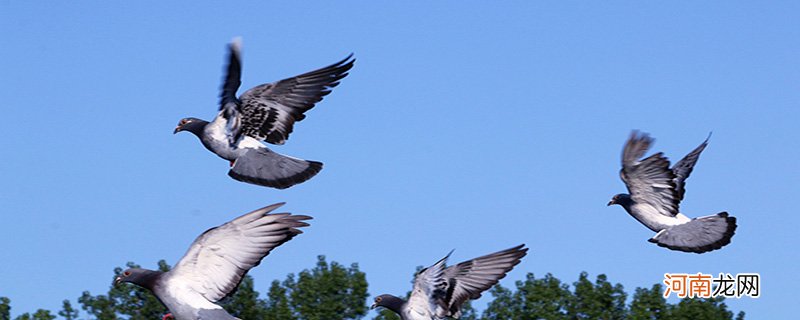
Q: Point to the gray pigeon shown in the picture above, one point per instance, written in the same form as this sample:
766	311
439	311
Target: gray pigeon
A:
264	113
440	291
216	263
655	193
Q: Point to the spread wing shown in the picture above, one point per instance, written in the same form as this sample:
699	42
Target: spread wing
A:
228	103
467	280
430	286
650	181
218	259
269	111
684	168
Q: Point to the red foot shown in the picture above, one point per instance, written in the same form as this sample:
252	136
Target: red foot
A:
168	316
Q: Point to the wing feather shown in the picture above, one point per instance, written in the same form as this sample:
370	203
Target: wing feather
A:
468	279
650	181
218	259
684	168
269	111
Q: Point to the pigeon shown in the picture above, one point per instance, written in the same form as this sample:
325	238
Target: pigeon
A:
215	263
656	192
264	113
440	291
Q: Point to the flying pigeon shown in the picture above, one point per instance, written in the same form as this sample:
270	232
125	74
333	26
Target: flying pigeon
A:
440	291
655	193
264	113
216	262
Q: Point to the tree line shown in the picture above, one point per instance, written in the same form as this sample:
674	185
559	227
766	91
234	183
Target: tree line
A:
332	291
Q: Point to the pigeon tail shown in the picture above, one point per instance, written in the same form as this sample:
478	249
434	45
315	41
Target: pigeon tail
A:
266	168
699	235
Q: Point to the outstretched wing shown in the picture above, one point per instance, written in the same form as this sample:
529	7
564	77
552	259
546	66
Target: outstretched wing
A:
233	74
430	286
650	181
228	103
684	168
467	280
269	111
218	259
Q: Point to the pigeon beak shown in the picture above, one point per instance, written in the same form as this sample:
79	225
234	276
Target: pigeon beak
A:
117	281
610	203
177	129
374	305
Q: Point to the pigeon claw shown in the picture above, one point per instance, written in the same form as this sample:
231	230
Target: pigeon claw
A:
168	316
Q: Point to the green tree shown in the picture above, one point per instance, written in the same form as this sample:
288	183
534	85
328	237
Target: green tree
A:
40	314
699	308
329	291
5	308
67	311
278	307
600	300
649	304
545	298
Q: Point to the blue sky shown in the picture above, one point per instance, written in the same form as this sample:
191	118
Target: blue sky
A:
472	126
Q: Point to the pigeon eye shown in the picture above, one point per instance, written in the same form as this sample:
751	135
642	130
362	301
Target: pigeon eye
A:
378	299
126	273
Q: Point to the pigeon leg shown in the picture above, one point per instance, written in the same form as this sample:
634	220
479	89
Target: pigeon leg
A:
168	316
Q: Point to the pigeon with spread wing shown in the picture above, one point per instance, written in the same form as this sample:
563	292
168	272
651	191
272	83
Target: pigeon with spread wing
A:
265	113
440	291
215	263
656	191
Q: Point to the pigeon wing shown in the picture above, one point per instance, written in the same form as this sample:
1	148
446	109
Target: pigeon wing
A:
218	259
468	279
228	103
233	74
430	287
269	111
650	181
684	168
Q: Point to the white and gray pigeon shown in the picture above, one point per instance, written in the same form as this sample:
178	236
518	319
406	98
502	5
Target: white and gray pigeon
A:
655	194
215	263
440	291
264	113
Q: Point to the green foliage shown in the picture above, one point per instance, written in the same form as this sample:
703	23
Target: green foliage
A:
545	298
329	291
649	304
40	314
600	300
5	308
67	311
710	309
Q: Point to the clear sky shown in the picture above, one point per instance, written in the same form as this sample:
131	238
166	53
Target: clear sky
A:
464	125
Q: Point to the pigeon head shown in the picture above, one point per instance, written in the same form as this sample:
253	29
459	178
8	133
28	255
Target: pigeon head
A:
388	301
622	199
192	125
141	277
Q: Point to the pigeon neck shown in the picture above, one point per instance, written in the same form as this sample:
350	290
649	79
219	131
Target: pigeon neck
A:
393	303
196	127
145	278
625	201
